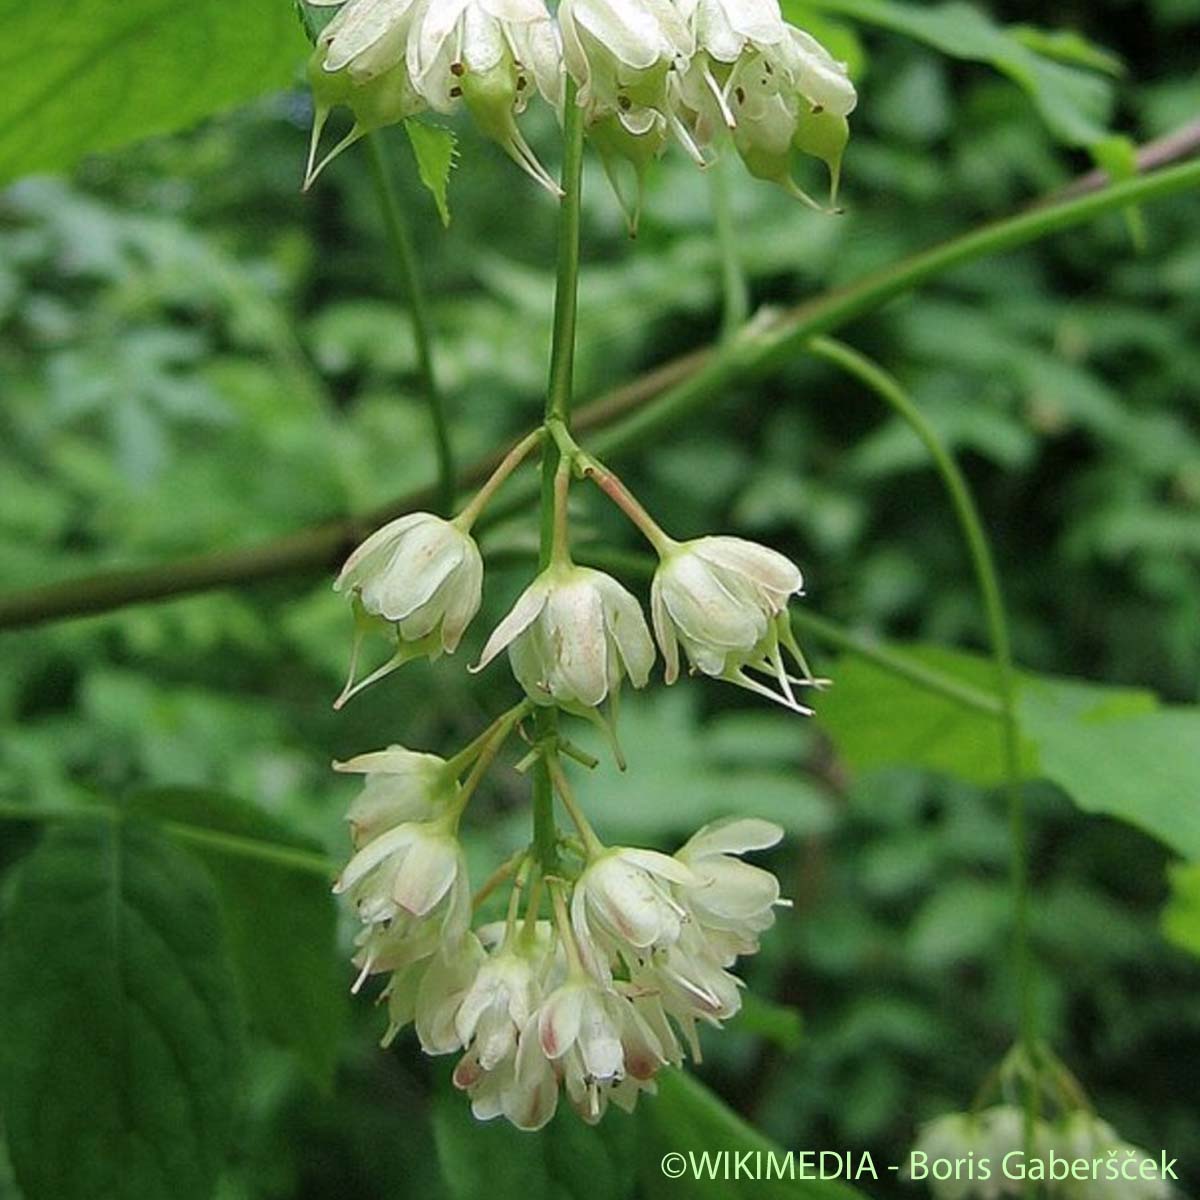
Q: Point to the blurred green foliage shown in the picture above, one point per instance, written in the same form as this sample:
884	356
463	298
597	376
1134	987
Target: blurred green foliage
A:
196	356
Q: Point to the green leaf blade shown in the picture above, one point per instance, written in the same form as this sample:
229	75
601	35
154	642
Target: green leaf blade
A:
435	150
106	74
280	919
123	1030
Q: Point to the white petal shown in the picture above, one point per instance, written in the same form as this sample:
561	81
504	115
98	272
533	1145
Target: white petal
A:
574	627
526	610
660	864
599	1042
367	859
732	835
423	558
361	24
733	890
463	600
664	630
763	565
705	610
383	539
819	76
627	626
426	874
558	1022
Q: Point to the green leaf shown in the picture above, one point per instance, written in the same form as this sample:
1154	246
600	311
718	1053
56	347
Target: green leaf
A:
122	1028
436	153
878	718
687	1119
1181	917
1076	105
1111	749
98	75
1115	758
281	922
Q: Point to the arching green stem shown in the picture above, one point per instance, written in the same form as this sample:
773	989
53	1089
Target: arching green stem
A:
888	389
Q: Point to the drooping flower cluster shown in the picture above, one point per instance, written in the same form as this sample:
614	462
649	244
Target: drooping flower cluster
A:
645	71
595	1001
1074	1157
592	1004
576	633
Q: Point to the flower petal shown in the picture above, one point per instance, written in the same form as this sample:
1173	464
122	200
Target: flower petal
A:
526	610
732	835
764	566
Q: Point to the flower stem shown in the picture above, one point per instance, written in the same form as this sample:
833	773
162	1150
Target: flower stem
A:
627	502
558	408
591	843
504	871
560	547
493	739
565	932
890	391
406	261
508	464
505	721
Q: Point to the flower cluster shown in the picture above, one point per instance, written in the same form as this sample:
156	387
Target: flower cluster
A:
576	633
994	1139
646	71
594	996
592	1003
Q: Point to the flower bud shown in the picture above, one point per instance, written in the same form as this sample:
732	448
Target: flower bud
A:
571	637
401	786
425	576
477	50
412	868
728	896
620	53
623	901
725	599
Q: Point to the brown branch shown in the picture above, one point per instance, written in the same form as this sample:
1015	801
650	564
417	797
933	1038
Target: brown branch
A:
1177	146
630	415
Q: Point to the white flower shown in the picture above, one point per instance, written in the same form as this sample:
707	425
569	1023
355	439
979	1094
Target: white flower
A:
420	571
425	576
599	1041
692	984
481	51
727	896
725	599
953	1136
724	31
1083	1135
620	53
412	868
623	901
817	75
572	635
367	37
505	993
522	1087
402	785
430	991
